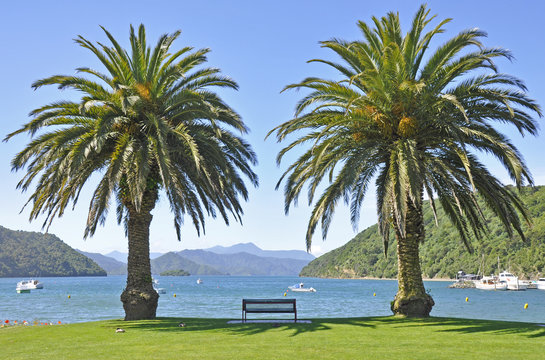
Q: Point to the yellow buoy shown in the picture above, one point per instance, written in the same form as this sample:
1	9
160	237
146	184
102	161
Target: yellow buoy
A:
285	294
374	294
467	299
526	306
69	296
174	295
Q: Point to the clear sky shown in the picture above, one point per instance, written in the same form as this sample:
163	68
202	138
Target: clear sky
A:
263	45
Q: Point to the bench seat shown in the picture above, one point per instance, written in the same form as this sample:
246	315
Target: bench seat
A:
268	306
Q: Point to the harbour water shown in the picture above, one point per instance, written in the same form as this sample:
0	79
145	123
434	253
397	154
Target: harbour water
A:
79	299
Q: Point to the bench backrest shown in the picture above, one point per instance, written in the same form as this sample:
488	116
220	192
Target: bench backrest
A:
263	304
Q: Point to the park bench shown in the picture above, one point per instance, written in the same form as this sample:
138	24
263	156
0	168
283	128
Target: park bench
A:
268	306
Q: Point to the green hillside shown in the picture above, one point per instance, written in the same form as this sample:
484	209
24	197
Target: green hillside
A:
442	253
24	254
110	265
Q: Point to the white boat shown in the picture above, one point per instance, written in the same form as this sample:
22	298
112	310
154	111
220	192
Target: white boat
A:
530	284
490	283
541	284
27	285
301	288
512	281
158	289
199	281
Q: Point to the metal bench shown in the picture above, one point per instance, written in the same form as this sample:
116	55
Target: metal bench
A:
268	306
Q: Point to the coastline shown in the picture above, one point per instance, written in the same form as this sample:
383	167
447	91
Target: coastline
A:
377	278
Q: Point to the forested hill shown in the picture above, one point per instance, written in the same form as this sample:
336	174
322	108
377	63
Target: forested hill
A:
32	254
442	253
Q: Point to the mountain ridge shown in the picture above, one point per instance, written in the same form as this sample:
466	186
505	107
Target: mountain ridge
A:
245	264
253	249
31	254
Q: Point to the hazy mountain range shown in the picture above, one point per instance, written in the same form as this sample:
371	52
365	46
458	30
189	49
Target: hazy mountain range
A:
239	259
25	253
251	248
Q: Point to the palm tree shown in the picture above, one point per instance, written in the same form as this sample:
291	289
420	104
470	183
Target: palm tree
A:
413	121
149	125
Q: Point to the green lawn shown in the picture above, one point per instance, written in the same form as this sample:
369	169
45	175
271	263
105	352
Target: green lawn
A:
345	338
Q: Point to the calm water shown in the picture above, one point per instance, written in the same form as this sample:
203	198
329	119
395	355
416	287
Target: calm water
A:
97	298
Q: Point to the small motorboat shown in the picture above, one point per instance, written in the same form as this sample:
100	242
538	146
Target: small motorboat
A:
530	284
26	285
490	283
158	289
541	284
512	281
199	281
301	288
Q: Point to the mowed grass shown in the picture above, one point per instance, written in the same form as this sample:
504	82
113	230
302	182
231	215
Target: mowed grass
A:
344	338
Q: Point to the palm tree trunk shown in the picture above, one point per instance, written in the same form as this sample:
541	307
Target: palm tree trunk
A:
411	298
139	298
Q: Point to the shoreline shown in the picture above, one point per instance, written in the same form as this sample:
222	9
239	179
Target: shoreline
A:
376	278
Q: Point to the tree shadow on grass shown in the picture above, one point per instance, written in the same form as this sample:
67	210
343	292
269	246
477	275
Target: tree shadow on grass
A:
221	325
446	325
468	326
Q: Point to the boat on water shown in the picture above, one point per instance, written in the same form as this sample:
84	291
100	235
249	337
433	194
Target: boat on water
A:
462	276
490	283
301	288
25	286
199	281
513	282
540	284
530	284
158	289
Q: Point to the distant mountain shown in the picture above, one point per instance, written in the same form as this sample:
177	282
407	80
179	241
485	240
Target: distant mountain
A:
173	261
239	259
111	265
243	263
26	254
117	255
122	256
251	248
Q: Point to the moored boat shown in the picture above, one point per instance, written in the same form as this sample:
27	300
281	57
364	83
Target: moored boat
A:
25	286
158	289
301	288
541	284
530	284
512	281
199	281
490	283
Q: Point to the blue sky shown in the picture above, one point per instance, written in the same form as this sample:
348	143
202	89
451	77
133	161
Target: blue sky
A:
264	46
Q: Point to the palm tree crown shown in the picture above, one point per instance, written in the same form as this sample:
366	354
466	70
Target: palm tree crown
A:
150	122
412	120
